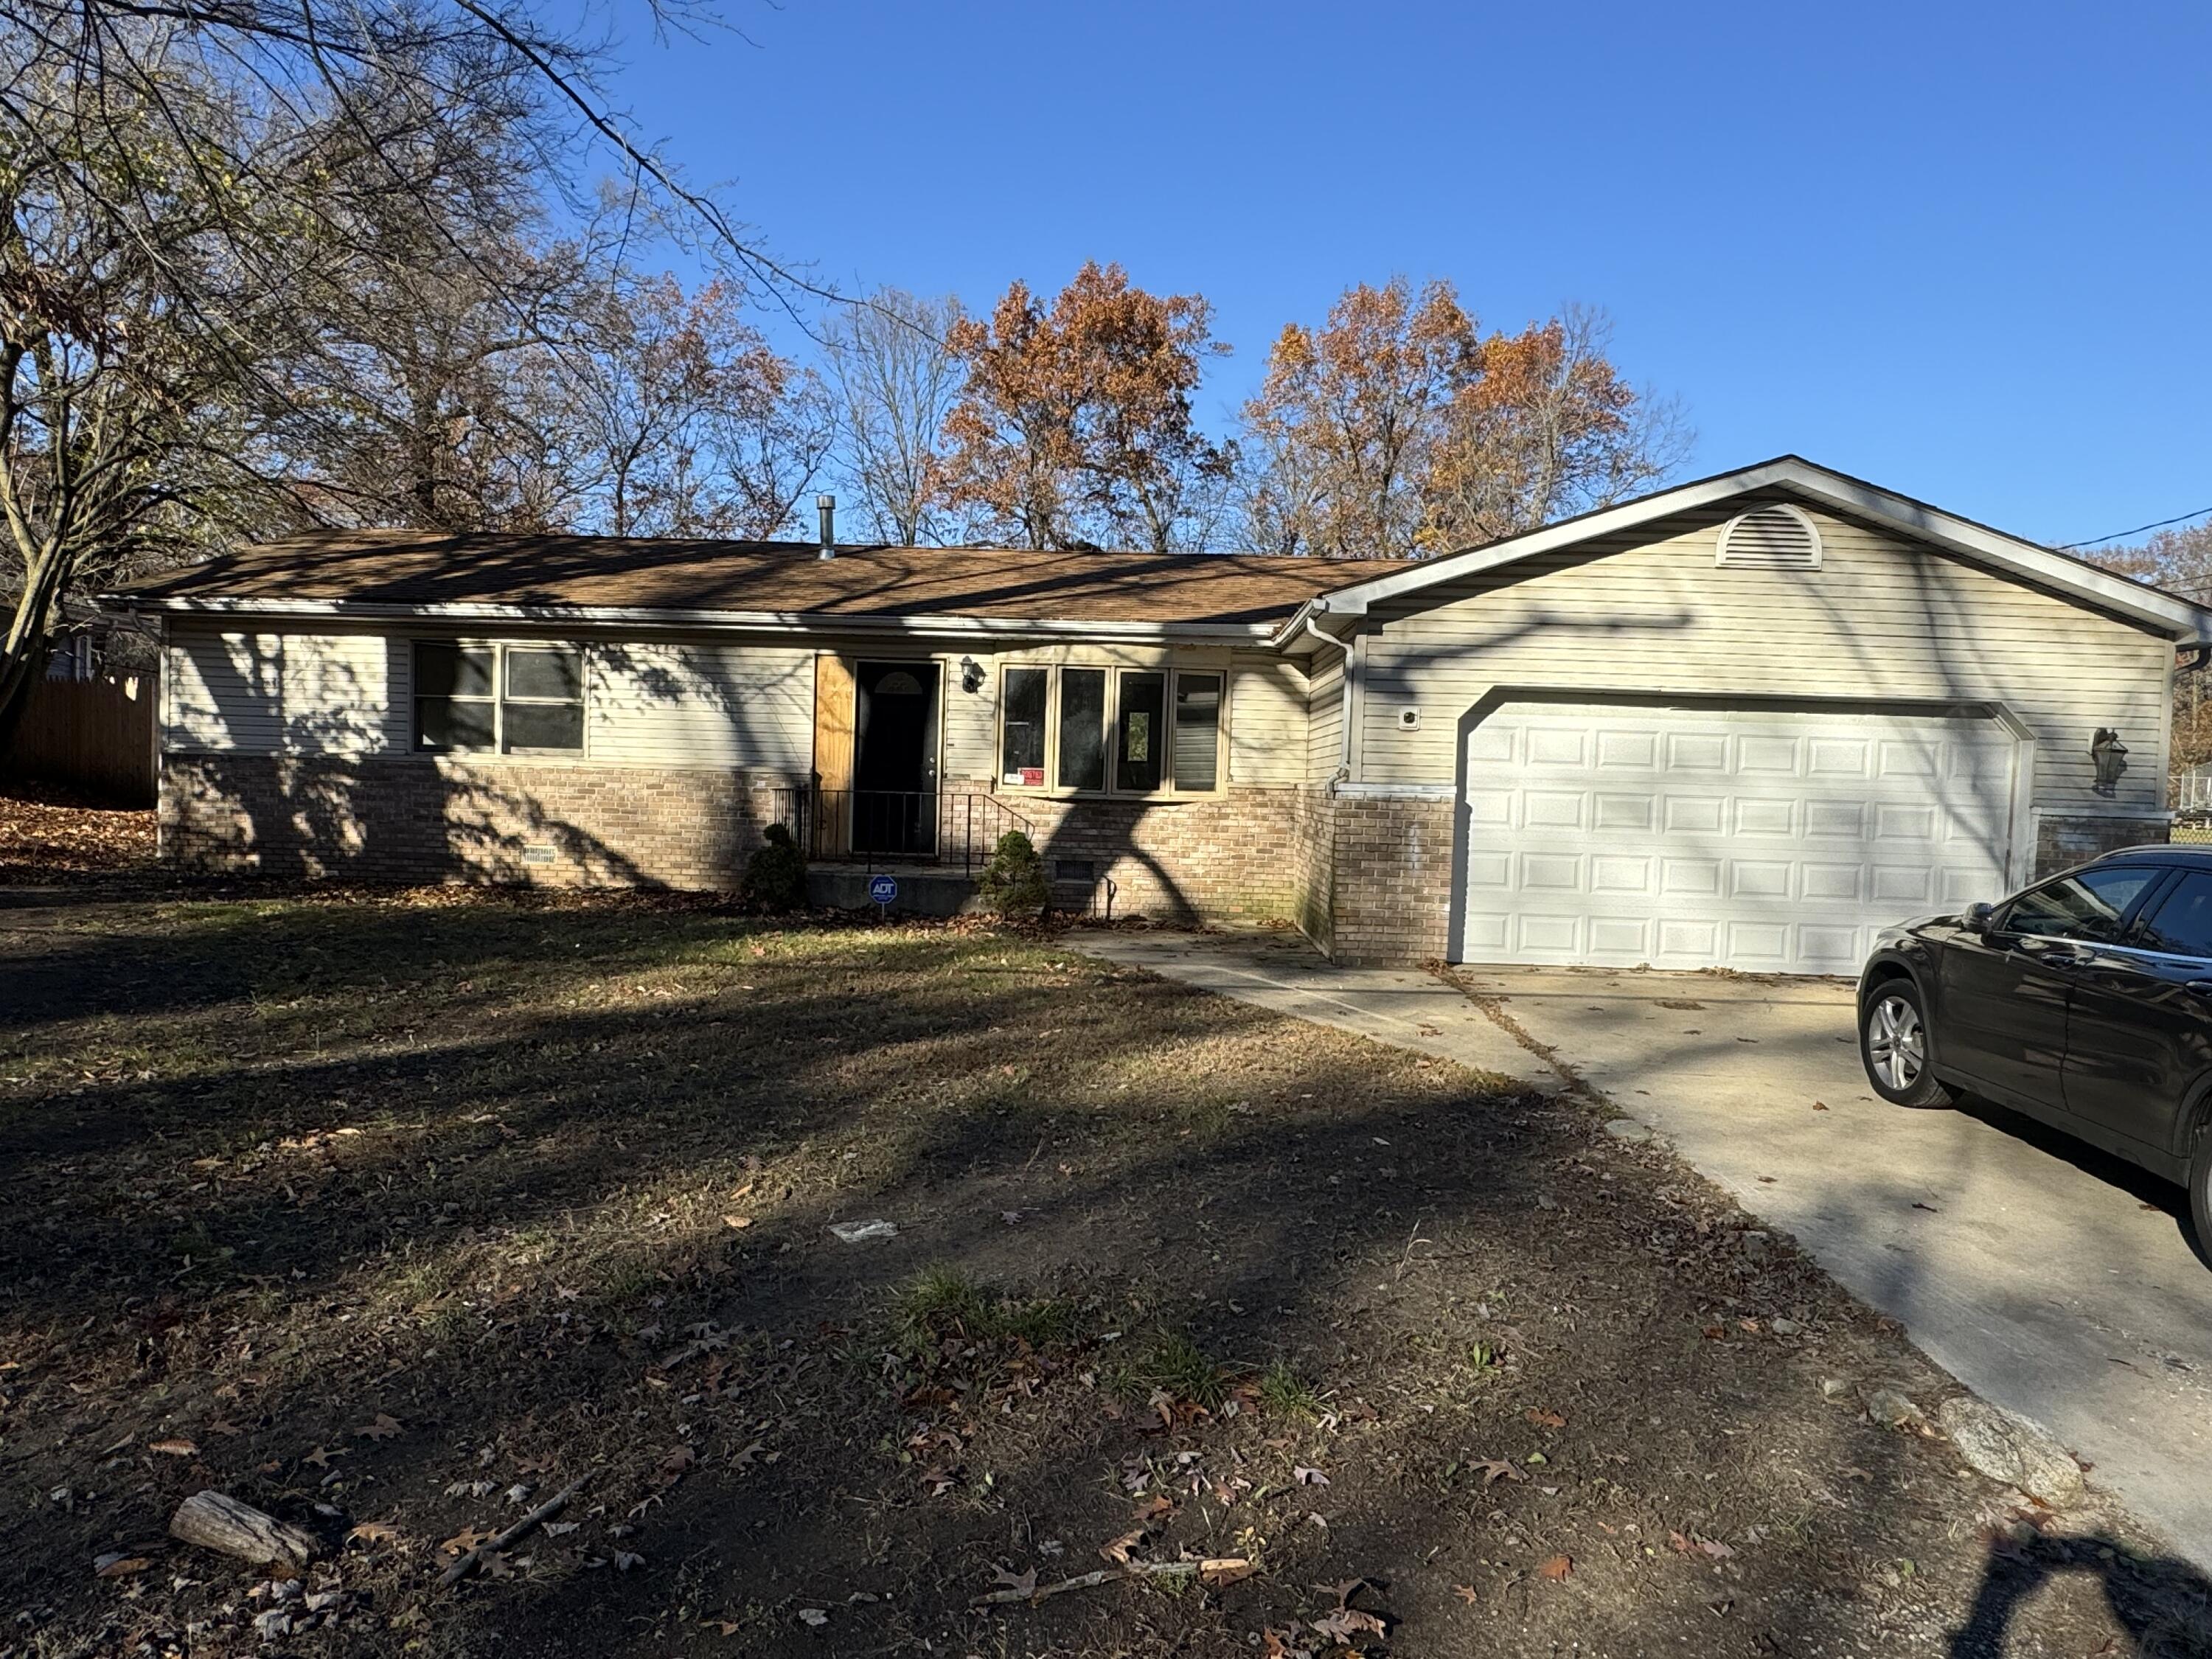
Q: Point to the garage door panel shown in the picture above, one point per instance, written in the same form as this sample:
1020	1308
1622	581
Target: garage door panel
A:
1551	872
1760	879
1694	814
1774	754
1696	751
1636	751
1550	809
1842	820
1796	836
1765	817
1619	812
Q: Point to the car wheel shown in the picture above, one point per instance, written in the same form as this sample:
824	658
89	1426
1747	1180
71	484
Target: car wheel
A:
1893	1044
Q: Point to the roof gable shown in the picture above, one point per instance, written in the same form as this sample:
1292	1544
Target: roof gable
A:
1791	476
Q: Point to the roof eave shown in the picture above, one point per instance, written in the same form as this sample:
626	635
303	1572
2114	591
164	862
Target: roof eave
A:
749	621
2175	617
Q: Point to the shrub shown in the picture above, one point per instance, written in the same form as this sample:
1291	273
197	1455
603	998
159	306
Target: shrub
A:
776	876
1012	883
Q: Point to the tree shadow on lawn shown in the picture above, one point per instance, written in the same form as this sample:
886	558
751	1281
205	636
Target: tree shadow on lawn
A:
509	1259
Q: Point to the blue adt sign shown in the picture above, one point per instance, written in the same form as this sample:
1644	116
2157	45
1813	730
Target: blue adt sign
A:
883	889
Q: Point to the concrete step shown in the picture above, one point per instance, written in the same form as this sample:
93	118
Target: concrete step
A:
923	890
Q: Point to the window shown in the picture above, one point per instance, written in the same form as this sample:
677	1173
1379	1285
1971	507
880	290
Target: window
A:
1139	732
1021	741
2089	905
1131	731
499	699
1197	731
1082	728
2182	924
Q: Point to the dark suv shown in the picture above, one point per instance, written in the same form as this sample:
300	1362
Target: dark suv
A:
2085	1001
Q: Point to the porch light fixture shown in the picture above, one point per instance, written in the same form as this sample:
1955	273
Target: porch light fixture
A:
2110	756
971	675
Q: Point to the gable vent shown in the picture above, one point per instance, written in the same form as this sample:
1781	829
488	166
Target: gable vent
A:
1778	538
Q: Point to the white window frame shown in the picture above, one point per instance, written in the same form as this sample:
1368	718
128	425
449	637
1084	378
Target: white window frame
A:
500	698
1171	673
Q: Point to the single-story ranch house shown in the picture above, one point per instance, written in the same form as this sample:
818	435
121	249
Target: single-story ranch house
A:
1743	722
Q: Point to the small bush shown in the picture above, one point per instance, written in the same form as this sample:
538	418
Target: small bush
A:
776	876
1012	883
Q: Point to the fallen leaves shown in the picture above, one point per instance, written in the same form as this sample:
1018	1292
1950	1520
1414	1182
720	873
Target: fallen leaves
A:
1343	1623
1544	1419
1495	1469
377	1532
177	1447
384	1428
1556	1568
464	1541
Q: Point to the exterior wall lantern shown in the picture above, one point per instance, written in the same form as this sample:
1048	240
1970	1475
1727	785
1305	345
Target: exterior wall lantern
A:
971	675
2110	756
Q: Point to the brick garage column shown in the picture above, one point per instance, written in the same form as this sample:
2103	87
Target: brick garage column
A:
2063	840
1393	879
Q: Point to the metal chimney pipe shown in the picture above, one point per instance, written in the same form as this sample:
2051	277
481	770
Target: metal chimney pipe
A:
827	507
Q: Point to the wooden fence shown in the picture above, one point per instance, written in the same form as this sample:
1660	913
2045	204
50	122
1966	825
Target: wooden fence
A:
96	735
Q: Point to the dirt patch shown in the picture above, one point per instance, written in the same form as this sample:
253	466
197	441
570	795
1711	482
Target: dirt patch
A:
392	1218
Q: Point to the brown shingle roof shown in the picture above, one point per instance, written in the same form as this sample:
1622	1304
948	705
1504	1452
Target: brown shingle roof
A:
407	569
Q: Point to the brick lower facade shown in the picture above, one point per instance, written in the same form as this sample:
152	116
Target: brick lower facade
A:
2062	841
1368	878
1194	859
417	818
420	818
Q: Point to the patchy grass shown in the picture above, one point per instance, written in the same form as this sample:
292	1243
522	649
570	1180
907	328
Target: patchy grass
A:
391	1214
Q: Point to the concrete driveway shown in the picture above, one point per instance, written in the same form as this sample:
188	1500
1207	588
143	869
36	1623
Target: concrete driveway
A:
2046	1276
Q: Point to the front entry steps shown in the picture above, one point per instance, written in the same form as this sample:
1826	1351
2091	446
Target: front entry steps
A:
923	890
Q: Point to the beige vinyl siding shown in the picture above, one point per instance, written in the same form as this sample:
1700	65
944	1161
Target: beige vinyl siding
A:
1881	618
1324	716
1267	722
284	693
736	707
969	720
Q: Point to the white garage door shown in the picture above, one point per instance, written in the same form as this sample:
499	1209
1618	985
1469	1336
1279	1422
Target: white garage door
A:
1698	838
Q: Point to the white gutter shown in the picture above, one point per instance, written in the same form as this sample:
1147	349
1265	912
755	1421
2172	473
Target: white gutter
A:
769	622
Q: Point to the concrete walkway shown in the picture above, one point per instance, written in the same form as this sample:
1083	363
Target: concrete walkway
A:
1281	971
2046	1276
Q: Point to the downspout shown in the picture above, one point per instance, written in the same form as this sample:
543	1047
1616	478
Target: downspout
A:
1343	697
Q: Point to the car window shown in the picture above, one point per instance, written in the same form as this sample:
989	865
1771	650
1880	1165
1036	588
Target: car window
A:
2088	905
2182	924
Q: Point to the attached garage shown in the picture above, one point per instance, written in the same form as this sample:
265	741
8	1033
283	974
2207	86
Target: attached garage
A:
1779	841
1745	723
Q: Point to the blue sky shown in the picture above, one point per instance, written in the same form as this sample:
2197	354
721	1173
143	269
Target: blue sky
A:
1959	250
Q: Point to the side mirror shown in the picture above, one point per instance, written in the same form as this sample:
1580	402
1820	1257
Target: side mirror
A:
1979	917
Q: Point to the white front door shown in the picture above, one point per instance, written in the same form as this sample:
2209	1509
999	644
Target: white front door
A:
1685	837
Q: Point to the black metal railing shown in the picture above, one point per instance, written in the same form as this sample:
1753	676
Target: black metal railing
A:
897	826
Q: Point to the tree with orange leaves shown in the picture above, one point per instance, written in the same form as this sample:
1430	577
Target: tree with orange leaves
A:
1396	429
1344	424
1547	428
1075	428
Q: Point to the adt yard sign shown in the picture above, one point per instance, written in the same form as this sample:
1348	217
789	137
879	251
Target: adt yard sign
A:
883	889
